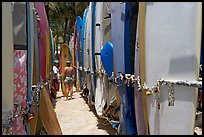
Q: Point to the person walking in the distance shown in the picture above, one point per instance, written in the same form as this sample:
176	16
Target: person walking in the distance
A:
56	77
68	79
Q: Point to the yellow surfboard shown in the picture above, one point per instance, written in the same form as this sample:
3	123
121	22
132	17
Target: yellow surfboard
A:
142	9
64	56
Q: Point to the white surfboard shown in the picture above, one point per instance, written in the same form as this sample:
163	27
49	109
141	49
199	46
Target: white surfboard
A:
100	96
88	51
172	45
117	28
7	61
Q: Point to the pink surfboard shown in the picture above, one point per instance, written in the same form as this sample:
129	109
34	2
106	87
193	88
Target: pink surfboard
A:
43	24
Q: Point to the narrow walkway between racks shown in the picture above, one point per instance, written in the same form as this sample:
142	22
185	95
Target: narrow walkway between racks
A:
76	117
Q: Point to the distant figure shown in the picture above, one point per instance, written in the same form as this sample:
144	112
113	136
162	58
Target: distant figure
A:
68	79
56	77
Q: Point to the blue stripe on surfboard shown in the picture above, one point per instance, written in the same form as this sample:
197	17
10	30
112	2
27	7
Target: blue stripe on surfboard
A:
28	58
93	42
79	25
130	113
92	90
82	37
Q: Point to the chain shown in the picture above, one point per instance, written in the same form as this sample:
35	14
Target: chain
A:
171	97
7	122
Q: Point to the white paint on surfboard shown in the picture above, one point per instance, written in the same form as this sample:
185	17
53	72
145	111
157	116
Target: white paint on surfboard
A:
88	51
100	98
171	48
117	28
7	57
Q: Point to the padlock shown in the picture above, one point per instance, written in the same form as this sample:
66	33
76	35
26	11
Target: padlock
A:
148	92
30	116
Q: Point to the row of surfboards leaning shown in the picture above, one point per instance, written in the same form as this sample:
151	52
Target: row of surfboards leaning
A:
139	60
27	60
141	63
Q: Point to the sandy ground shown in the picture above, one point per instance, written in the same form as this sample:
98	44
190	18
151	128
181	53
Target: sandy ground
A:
77	118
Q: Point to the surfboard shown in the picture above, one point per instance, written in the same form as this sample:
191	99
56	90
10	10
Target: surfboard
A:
36	75
129	48
89	53
20	65
63	59
78	57
92	50
142	128
30	45
8	67
47	115
74	53
42	42
178	30
82	44
86	48
117	28
100	95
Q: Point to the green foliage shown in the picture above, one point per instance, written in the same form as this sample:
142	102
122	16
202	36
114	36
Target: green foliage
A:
62	16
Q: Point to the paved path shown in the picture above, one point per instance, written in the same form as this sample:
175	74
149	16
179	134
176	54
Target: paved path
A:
77	118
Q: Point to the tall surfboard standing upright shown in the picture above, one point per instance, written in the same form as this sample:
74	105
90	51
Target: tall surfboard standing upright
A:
83	43
100	98
129	48
142	128
86	32
7	67
92	50
87	52
42	42
30	44
78	50
36	74
179	30
20	65
64	56
74	51
117	28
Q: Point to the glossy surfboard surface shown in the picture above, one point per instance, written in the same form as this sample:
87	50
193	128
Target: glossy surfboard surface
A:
168	37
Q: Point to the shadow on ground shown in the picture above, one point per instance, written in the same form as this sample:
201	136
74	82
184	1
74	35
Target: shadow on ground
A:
110	130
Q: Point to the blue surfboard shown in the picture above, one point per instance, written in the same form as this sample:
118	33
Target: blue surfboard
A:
129	39
83	37
107	57
78	30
